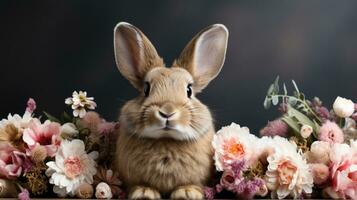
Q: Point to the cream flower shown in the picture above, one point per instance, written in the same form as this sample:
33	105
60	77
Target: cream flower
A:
80	103
72	167
69	130
343	107
103	191
287	173
306	131
233	143
19	122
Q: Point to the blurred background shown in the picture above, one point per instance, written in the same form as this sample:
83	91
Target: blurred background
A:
50	48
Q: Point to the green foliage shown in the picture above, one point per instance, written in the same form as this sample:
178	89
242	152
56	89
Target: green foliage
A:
298	113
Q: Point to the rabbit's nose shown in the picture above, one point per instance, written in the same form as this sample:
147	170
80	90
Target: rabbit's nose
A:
167	111
166	115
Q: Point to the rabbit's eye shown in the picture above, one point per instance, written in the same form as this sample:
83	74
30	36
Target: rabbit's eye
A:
147	89
189	90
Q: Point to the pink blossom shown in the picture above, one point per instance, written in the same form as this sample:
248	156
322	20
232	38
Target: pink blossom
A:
276	127
31	105
24	195
320	173
331	132
343	171
209	192
91	121
12	161
323	112
46	135
228	180
106	128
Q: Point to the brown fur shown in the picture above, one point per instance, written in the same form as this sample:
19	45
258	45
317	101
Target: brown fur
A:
151	159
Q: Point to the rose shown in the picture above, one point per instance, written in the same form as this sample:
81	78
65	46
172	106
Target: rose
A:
103	191
228	180
306	131
343	107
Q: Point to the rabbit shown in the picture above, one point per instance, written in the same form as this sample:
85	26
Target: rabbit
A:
164	146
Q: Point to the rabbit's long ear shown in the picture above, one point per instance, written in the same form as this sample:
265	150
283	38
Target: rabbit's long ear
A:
204	55
134	53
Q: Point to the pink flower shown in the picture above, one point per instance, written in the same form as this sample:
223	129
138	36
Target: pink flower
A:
228	180
24	195
12	162
209	192
31	105
106	128
91	121
323	112
320	173
331	132
276	127
343	171
46	135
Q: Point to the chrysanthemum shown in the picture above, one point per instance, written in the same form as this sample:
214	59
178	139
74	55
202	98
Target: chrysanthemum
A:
72	166
233	143
80	103
288	172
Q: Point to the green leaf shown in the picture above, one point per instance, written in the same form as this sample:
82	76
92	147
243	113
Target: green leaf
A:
275	100
267	102
285	90
315	133
292	101
51	118
276	85
295	86
300	117
66	118
291	123
270	90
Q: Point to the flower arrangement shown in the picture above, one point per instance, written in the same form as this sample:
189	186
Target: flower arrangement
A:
309	151
64	157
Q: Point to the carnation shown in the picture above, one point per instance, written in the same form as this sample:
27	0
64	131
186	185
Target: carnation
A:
72	167
343	171
233	143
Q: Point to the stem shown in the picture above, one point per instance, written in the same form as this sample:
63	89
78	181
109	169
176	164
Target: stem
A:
302	102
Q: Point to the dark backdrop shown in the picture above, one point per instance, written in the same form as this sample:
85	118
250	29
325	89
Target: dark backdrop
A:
50	48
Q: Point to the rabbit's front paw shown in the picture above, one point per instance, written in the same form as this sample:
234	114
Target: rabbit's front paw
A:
187	192
140	192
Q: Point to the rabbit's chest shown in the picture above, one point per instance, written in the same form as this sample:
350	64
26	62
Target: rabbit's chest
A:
166	165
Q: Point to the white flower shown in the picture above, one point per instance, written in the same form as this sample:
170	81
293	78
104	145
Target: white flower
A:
103	191
69	130
287	172
80	103
19	122
343	107
72	167
234	143
306	131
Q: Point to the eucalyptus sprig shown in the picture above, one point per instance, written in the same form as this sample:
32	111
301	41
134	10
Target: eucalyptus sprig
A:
297	100
298	113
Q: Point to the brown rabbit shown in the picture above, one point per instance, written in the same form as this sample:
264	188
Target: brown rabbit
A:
164	147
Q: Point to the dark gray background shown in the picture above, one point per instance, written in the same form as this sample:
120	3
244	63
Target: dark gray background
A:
50	48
